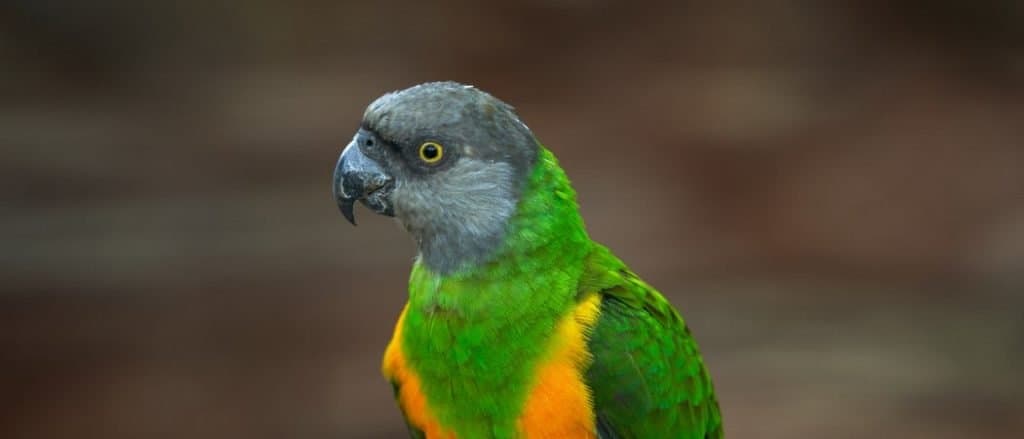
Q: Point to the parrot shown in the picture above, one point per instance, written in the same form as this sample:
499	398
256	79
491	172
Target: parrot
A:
517	324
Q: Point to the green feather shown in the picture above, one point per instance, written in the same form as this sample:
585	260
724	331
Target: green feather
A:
475	336
647	376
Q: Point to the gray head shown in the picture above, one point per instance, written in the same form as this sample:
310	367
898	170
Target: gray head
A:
446	159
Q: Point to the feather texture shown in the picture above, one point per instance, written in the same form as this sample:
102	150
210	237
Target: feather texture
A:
647	375
471	345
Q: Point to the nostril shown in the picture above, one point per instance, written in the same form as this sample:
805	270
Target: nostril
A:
376	182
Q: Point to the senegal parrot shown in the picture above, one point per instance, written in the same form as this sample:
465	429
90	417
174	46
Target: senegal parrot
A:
517	325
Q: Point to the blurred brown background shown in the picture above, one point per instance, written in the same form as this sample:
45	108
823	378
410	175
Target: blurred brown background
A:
833	195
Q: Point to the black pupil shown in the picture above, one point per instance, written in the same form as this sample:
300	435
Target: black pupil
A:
430	152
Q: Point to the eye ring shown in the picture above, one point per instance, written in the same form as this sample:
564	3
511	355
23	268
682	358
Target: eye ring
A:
431	152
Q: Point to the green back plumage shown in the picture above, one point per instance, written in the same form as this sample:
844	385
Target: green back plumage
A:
474	336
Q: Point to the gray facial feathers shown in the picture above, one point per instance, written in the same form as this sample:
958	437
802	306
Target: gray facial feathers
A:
459	217
483	126
457	210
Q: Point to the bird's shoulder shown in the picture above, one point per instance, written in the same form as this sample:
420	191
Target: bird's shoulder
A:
646	373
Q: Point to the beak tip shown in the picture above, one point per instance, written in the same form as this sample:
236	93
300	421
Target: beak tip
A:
348	210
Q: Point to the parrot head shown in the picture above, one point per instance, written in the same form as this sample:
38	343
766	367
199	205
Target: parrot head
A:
447	160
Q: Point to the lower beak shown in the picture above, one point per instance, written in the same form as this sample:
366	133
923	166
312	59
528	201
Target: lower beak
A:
358	177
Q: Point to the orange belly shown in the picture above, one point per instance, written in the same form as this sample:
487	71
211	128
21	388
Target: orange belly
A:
559	403
559	406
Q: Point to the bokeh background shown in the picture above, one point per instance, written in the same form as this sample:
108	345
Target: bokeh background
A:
831	192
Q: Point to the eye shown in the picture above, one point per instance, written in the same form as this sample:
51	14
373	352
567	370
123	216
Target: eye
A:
431	152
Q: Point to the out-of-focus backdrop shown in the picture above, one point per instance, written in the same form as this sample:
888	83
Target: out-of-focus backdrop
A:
832	194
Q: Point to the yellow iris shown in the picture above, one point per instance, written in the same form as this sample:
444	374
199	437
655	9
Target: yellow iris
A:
431	152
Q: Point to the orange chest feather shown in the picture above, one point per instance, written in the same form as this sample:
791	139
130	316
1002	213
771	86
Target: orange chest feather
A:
558	404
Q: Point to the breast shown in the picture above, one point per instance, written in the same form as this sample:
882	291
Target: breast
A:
558	404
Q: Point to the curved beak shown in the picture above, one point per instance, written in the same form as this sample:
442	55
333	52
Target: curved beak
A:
358	177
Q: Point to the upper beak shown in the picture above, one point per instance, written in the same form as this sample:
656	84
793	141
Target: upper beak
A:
358	177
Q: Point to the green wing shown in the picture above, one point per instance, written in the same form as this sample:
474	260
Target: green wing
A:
647	375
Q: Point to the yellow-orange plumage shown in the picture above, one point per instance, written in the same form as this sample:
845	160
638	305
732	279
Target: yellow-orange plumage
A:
560	404
410	396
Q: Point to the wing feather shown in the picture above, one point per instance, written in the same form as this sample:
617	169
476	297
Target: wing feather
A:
647	376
